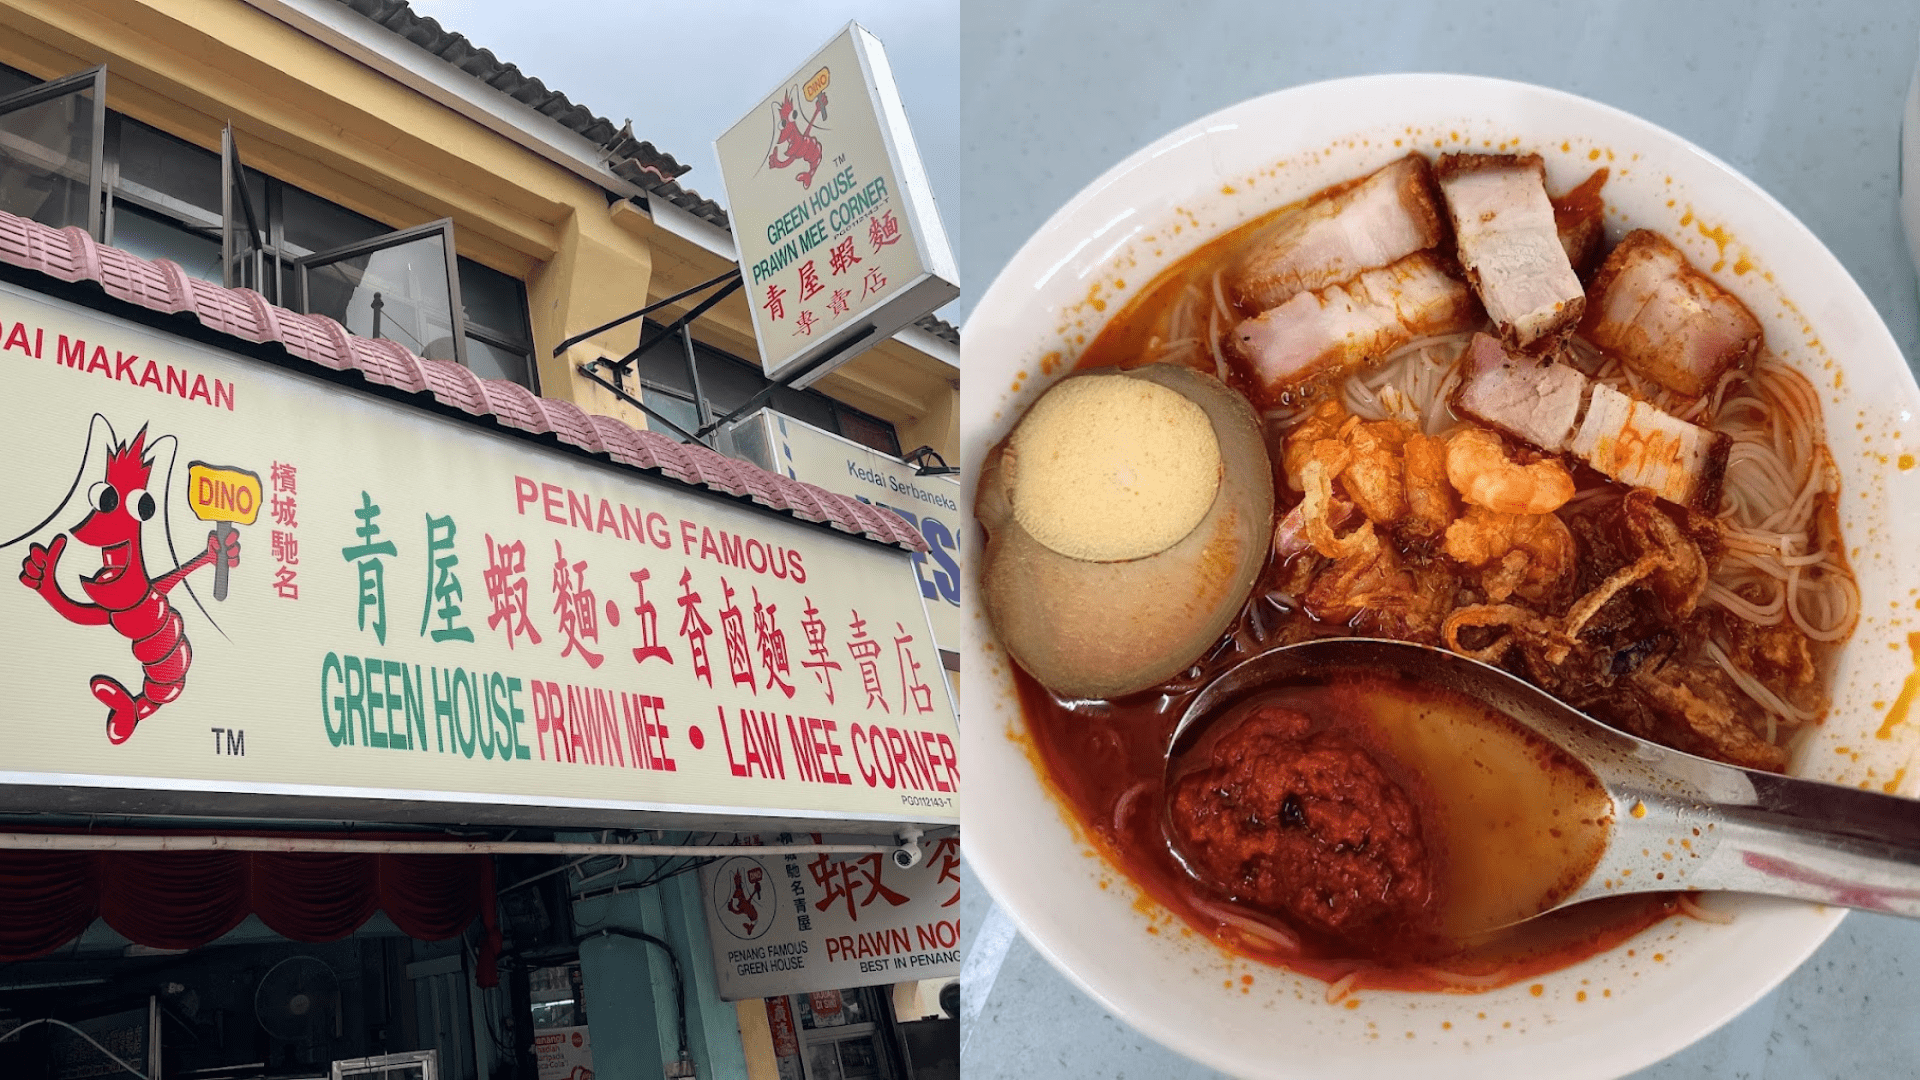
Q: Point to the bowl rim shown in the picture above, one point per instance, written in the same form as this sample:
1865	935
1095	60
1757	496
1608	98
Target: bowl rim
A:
990	866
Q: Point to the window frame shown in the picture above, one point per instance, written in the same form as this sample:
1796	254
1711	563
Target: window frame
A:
277	271
704	406
233	177
443	228
94	79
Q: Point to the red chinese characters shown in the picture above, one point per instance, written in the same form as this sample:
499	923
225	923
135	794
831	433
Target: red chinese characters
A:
286	546
574	603
819	660
842	882
506	581
883	231
733	631
695	627
649	647
842	257
867	652
945	857
772	643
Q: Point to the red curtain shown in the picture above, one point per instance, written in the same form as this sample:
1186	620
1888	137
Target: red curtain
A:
185	899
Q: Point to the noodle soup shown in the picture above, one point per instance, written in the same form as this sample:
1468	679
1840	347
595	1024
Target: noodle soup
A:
1051	866
1621	494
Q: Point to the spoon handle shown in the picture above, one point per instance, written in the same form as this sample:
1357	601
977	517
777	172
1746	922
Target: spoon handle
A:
1761	833
1817	841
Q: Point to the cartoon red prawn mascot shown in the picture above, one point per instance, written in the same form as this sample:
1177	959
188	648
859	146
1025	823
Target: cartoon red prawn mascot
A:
793	145
123	595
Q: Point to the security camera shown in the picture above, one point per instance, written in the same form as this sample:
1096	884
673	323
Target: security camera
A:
909	853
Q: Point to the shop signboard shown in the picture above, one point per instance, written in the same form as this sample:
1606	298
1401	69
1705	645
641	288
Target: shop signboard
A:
791	923
786	1038
415	609
803	452
839	242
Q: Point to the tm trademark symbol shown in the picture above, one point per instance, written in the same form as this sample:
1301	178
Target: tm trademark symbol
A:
230	741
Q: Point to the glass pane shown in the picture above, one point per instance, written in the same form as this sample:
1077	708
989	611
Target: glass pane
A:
557	1000
399	293
314	224
803	406
151	236
665	364
13	80
252	268
159	162
677	409
859	1058
869	431
823	1062
495	301
493	362
727	382
46	160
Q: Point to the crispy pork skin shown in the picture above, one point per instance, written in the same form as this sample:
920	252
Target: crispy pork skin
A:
1665	319
1503	223
1337	236
1533	401
1639	445
1342	327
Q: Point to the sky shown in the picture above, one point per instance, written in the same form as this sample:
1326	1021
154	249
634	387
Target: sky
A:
686	71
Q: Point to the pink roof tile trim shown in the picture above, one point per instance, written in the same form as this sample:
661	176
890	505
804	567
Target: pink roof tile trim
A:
72	255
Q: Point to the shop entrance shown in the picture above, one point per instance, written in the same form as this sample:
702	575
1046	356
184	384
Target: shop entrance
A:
249	1006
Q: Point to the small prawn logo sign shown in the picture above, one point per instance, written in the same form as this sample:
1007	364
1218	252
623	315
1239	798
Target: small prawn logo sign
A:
747	910
793	143
123	594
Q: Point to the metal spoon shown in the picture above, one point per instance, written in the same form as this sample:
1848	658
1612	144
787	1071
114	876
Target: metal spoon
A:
1745	831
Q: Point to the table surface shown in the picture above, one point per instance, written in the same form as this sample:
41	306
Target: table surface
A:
1803	97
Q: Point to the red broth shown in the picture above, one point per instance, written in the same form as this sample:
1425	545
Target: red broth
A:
1107	761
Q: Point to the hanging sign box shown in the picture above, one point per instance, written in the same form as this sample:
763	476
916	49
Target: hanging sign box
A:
418	618
803	452
791	924
840	245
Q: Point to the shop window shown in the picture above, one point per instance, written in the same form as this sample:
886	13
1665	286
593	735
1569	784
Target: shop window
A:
156	167
722	383
402	286
843	1035
62	152
52	151
499	335
158	236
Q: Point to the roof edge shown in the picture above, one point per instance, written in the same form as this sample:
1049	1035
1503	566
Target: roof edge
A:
160	286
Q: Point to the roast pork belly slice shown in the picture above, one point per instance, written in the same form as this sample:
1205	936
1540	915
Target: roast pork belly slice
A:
1533	401
1503	225
1337	236
1639	445
1666	320
1339	328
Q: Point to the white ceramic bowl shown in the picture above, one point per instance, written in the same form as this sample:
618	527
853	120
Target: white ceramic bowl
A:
1616	1012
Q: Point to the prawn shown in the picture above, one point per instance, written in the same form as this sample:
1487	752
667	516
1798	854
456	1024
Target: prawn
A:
1524	554
123	595
1485	474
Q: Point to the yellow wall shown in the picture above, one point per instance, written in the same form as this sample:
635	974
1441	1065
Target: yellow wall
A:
314	117
756	1038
